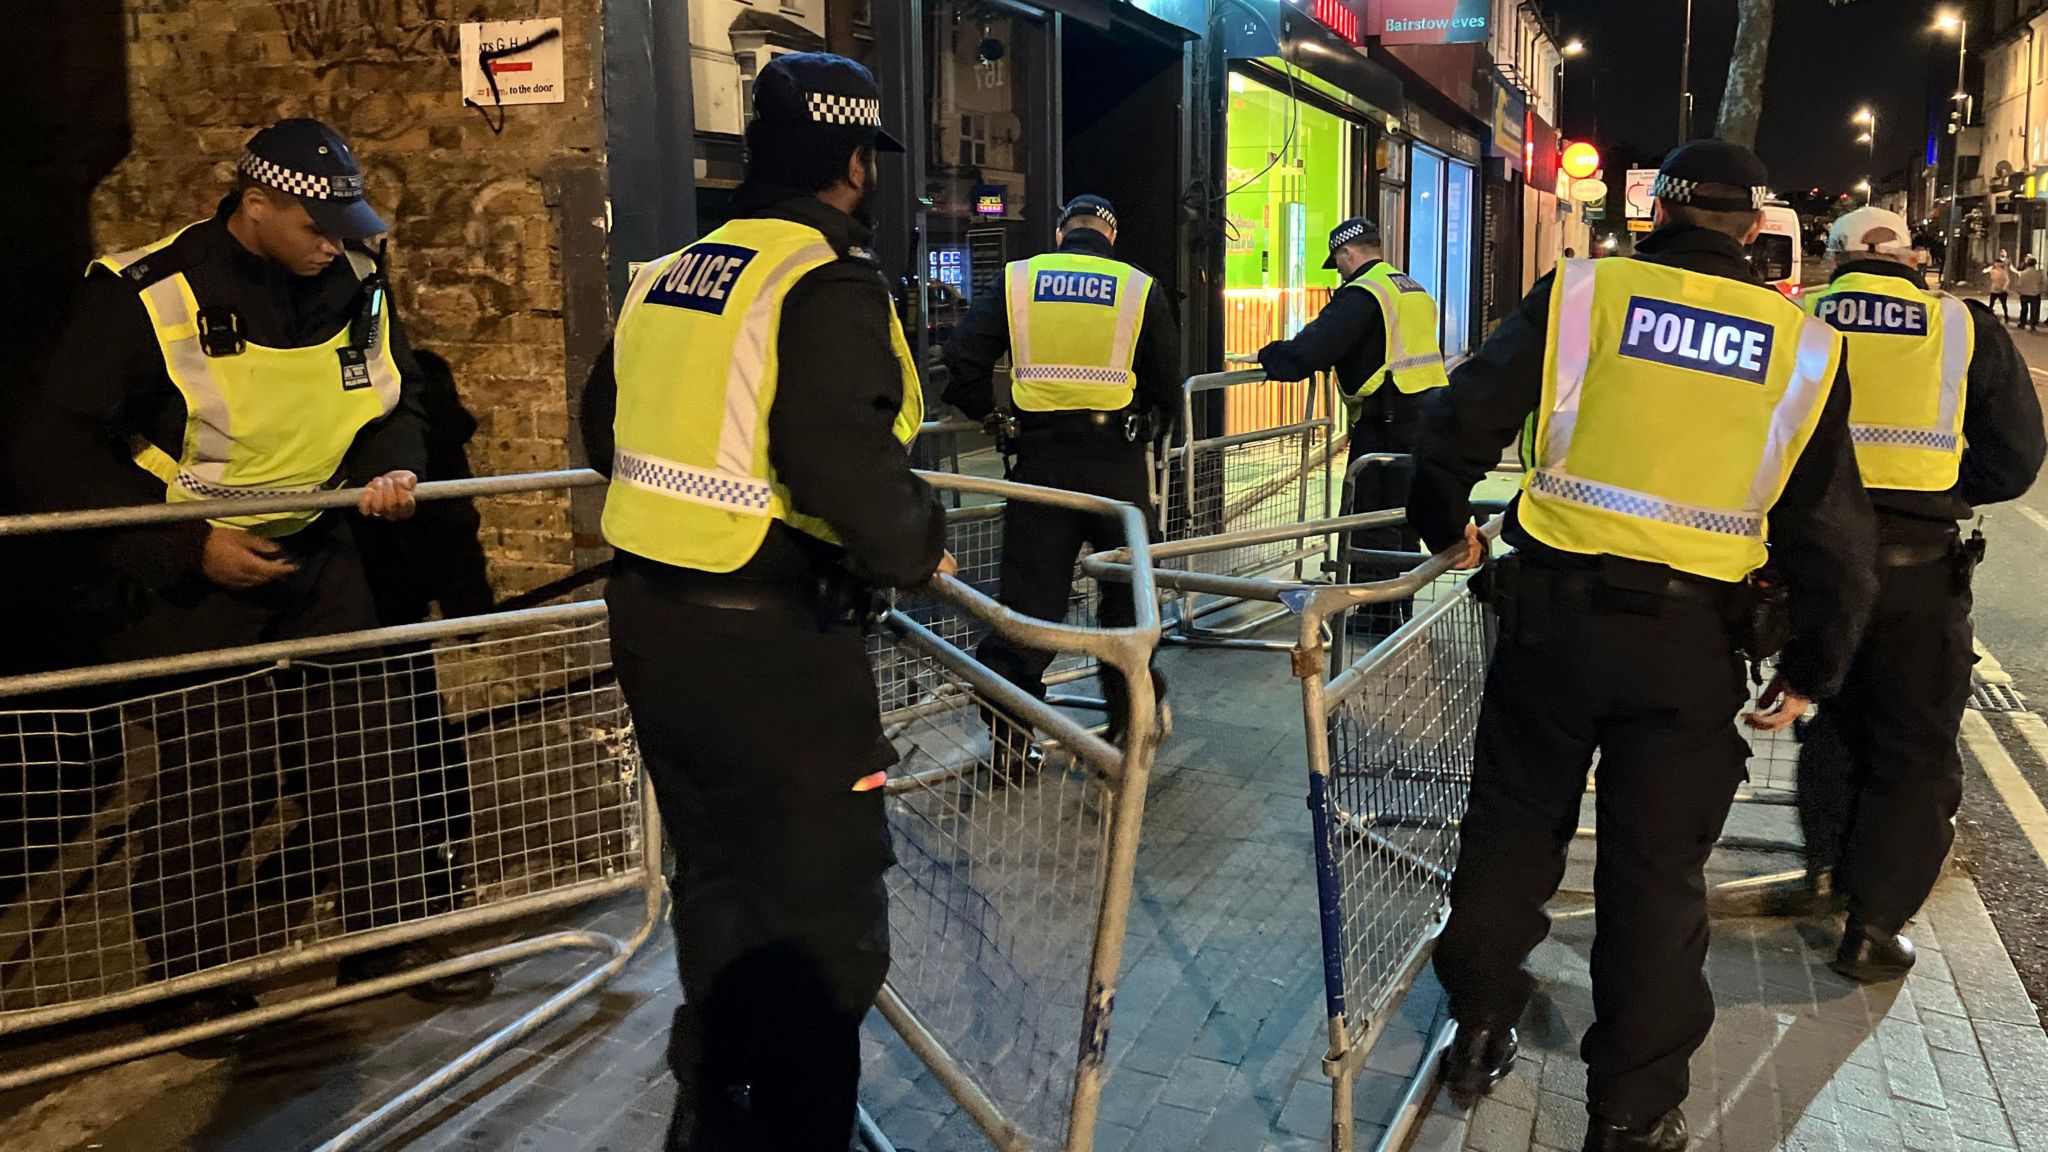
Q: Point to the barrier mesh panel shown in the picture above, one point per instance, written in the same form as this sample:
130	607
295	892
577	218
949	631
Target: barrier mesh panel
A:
170	829
1400	742
994	901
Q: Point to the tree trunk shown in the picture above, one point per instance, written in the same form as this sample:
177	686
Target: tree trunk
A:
1742	104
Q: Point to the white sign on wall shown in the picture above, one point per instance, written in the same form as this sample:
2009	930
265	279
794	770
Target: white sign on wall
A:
1637	190
525	60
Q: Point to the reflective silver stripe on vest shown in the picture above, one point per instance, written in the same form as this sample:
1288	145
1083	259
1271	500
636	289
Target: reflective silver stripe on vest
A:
1129	311
1812	374
749	366
211	490
1017	287
1957	339
188	363
1559	485
734	493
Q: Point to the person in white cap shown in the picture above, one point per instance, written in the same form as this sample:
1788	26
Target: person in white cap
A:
1944	418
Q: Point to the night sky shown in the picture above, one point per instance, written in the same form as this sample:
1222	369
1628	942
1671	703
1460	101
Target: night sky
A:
1826	61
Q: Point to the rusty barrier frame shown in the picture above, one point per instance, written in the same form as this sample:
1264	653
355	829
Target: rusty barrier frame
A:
1122	771
1118	778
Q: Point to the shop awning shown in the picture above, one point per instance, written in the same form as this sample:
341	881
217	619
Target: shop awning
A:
1263	29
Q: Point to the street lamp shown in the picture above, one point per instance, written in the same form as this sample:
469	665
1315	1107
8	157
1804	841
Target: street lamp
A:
1863	186
1949	20
1685	80
1868	119
1576	48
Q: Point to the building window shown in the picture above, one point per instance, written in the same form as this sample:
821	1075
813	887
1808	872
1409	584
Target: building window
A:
793	6
746	61
864	13
973	140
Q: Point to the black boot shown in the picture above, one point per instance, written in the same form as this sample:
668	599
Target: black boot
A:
1870	956
204	1008
462	988
1479	1058
1664	1134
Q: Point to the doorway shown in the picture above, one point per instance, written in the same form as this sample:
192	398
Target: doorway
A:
1120	101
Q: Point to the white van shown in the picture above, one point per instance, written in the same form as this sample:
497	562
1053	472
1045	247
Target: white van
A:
1777	253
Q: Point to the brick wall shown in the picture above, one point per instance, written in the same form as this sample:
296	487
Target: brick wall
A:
476	250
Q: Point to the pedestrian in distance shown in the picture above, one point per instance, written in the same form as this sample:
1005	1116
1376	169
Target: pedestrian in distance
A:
754	412
1379	331
2029	282
1998	284
1945	419
1674	410
254	352
1095	380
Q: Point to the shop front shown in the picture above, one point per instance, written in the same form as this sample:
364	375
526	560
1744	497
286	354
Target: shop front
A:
1007	110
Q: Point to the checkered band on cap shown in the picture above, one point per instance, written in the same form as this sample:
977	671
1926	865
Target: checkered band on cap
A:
1679	190
300	183
850	111
1096	210
1346	235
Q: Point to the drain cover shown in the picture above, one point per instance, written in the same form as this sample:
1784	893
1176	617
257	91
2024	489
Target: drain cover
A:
1996	698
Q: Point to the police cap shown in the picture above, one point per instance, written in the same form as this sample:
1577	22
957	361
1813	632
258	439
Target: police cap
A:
311	161
817	95
1086	205
1699	162
1357	230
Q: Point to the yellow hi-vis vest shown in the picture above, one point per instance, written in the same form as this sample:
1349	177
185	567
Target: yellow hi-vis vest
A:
1674	406
1909	364
263	420
1415	357
1074	324
695	353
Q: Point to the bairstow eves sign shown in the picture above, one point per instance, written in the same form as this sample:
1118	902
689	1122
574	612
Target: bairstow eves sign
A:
1429	21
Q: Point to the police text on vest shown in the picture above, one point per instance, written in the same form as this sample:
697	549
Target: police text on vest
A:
1684	337
1074	288
701	278
1873	313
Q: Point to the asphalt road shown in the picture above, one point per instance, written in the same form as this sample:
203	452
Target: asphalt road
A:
1994	844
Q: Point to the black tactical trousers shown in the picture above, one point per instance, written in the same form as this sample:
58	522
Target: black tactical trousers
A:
754	726
1379	487
1041	544
1879	775
1653	688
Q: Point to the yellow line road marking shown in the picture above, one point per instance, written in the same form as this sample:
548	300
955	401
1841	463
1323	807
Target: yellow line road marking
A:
2019	797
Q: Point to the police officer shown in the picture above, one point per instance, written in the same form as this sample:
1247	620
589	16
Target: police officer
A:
753	412
1095	376
1679	411
1379	331
1944	418
252	352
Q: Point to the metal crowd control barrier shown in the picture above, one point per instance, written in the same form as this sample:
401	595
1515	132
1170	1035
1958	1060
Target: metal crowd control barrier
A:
1389	740
1013	883
502	742
225	817
1253	478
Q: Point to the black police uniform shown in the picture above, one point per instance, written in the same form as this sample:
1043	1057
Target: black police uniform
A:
753	700
1079	451
140	593
1350	336
1890	816
1639	663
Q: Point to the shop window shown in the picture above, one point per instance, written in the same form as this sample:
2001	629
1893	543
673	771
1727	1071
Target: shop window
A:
973	140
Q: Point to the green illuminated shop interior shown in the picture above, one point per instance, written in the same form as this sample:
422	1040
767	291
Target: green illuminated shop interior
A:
1289	179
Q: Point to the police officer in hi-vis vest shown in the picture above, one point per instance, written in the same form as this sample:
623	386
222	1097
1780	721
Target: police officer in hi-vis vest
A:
249	353
754	411
1944	418
1095	378
1379	331
1683	413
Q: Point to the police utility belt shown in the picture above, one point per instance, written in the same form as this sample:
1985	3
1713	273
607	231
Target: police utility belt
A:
833	600
1520	590
1126	425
